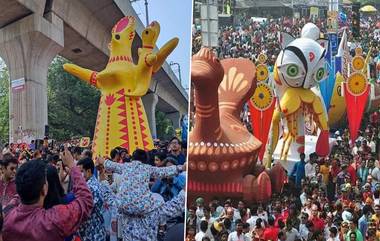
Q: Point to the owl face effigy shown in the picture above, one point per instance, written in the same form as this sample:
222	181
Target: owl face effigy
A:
302	64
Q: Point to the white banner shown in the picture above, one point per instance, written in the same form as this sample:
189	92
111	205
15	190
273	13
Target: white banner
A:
18	84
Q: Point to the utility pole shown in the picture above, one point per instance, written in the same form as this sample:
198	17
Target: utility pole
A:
179	70
146	10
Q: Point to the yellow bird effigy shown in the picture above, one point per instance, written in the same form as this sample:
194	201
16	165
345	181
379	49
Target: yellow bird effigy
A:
121	119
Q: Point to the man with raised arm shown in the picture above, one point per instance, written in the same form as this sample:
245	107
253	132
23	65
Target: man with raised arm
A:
30	221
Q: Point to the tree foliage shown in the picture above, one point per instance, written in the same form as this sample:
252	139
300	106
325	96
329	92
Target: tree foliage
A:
72	104
4	103
165	128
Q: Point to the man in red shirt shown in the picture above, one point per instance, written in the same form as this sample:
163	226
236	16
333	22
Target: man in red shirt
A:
318	223
271	232
51	224
7	183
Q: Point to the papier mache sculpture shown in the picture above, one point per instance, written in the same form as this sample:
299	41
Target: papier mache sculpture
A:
222	152
121	119
299	67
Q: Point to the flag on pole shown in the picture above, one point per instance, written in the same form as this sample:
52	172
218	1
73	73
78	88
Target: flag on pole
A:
343	56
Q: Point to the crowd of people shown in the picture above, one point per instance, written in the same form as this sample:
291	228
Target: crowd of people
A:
250	38
62	192
333	198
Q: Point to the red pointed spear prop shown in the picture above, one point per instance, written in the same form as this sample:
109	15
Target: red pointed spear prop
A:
261	106
356	91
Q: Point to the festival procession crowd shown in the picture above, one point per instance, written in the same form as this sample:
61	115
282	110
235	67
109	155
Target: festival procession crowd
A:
60	193
333	198
248	39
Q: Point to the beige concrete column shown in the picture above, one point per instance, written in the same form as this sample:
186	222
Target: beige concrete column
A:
28	46
150	101
175	117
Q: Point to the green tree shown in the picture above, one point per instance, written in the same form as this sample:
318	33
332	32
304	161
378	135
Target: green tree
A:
165	128
72	104
4	103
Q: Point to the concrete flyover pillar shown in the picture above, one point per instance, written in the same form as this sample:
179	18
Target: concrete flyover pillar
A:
28	46
175	117
150	102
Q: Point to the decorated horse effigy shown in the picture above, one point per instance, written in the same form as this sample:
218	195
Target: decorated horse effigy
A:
121	119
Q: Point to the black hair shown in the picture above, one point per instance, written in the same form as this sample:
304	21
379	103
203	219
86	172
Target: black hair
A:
87	164
122	149
87	153
367	209
238	222
204	225
316	234
271	221
207	209
246	225
333	230
76	150
8	158
140	155
170	159
30	179
258	222
52	158
114	152
281	223
227	223
160	155
55	190
175	138
281	234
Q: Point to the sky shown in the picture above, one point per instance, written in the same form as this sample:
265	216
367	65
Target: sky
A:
175	20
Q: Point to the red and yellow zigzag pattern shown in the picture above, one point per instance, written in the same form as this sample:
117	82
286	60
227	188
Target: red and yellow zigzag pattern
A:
121	122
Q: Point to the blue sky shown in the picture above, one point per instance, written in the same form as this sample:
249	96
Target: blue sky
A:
174	17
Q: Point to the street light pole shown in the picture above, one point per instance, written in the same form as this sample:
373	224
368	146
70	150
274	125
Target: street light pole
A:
179	70
146	12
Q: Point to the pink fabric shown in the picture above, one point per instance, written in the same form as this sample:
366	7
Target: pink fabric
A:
7	191
33	223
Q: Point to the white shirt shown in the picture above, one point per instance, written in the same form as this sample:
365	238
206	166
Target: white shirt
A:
355	150
234	237
292	235
199	213
303	231
237	214
263	215
303	198
372	145
327	231
252	222
199	236
376	175
346	215
310	170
